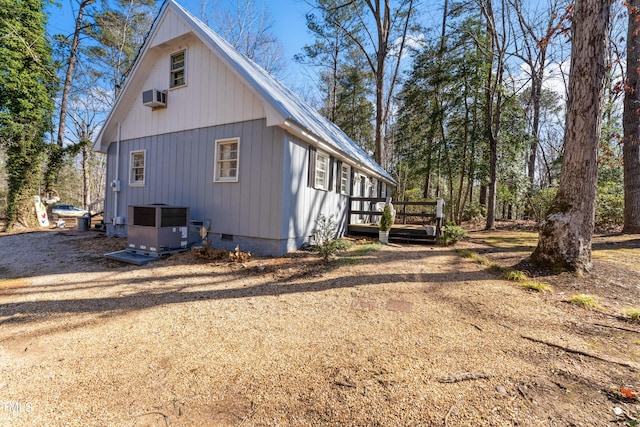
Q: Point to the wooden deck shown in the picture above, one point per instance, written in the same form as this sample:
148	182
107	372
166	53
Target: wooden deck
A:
429	213
400	233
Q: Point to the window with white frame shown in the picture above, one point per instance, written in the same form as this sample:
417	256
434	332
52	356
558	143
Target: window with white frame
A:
178	64
321	181
345	175
136	169
227	157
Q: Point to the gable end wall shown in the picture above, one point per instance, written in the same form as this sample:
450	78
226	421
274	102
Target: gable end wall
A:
179	171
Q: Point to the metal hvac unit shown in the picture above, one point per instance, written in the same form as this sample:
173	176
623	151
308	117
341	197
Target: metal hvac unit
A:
154	98
157	229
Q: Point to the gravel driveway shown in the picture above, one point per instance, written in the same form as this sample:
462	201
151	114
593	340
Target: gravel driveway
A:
384	335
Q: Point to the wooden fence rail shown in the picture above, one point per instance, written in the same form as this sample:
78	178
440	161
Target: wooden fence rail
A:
432	211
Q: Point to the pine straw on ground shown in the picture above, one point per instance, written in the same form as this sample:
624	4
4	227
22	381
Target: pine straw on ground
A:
403	335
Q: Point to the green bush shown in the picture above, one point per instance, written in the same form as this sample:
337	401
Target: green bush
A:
386	220
540	202
451	233
331	247
474	212
412	195
609	209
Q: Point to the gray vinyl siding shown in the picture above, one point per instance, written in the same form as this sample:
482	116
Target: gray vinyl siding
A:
302	205
269	211
179	170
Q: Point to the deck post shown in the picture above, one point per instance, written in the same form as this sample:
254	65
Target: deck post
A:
439	215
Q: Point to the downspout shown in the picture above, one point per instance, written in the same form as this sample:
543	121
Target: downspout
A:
116	182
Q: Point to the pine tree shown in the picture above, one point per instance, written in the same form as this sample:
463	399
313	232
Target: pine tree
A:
119	32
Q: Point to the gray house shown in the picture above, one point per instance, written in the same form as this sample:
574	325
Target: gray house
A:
201	126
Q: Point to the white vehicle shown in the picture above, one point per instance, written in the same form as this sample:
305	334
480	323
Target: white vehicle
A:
58	211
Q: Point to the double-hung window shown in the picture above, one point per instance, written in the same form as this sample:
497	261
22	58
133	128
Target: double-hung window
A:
227	157
345	175
322	171
178	64
136	169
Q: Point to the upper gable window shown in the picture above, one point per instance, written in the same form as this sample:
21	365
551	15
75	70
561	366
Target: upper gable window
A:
178	64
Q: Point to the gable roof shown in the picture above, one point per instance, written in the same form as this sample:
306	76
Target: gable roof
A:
284	108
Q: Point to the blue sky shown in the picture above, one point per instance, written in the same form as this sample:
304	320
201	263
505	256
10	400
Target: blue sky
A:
289	26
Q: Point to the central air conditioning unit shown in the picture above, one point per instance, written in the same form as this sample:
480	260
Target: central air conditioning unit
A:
154	98
155	230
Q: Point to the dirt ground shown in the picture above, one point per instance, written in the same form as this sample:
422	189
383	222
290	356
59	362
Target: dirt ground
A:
383	335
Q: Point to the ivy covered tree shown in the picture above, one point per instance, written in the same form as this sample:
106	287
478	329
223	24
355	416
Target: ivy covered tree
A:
27	84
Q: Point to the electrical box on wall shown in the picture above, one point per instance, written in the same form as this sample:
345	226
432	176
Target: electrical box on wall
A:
115	185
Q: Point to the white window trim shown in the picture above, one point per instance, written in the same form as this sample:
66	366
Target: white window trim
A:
347	185
316	184
184	69
224	141
144	168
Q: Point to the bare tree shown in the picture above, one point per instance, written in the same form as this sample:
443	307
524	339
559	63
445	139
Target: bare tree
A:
383	47
71	63
536	35
566	232
86	121
496	56
249	29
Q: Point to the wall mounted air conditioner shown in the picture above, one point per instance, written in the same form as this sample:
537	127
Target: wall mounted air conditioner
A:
154	98
157	229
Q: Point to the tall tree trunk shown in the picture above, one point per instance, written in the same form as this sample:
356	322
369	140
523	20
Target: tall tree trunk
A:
631	124
493	108
483	195
73	54
566	232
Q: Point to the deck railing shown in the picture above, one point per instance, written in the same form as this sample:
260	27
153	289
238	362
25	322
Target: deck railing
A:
432	211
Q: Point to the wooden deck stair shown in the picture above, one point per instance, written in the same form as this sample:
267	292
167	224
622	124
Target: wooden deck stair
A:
399	233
